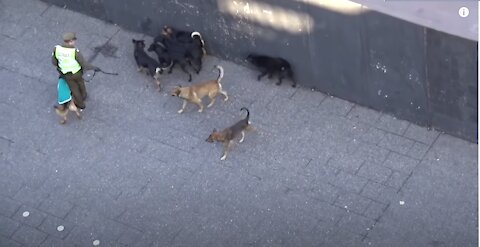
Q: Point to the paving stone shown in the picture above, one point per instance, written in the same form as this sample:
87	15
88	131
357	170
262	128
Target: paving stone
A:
34	218
56	206
30	196
342	238
8	226
8	206
380	192
8	242
392	124
55	242
373	172
323	191
418	151
29	236
130	236
336	106
82	236
364	114
396	143
421	134
400	163
375	210
397	180
373	136
349	182
356	224
51	223
352	202
350	163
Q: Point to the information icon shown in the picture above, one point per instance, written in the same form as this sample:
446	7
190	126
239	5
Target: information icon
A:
463	11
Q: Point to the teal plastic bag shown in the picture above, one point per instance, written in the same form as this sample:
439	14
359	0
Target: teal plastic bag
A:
64	93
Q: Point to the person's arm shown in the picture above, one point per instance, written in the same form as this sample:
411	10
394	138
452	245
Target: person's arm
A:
83	63
54	59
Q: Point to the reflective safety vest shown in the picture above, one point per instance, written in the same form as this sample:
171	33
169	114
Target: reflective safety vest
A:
66	59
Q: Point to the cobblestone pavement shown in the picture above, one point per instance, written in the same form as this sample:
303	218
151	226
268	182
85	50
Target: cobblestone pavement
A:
317	171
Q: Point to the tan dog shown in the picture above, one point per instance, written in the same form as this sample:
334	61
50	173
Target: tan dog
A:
63	110
196	93
227	135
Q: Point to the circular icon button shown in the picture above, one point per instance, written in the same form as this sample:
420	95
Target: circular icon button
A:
463	11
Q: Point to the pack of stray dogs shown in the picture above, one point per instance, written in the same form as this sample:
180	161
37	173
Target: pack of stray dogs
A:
187	49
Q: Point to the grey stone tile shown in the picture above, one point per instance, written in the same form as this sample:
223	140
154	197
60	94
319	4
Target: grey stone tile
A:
30	196
8	206
375	210
418	151
51	223
9	226
349	182
400	163
29	236
307	99
349	163
82	236
421	134
130	236
34	218
336	106
352	202
56	206
374	172
396	143
392	124
55	242
373	136
397	179
364	114
356	224
380	193
8	242
323	191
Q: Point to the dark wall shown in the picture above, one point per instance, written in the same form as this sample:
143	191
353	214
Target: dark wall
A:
415	73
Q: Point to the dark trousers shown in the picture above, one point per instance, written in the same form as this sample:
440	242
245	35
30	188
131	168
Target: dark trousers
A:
77	86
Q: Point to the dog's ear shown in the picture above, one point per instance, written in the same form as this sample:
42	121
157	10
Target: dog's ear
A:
214	130
134	41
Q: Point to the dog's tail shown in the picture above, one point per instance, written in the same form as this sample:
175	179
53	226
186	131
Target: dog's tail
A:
220	74
248	113
201	40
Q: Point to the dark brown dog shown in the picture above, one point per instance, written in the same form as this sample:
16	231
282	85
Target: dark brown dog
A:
195	93
227	135
63	110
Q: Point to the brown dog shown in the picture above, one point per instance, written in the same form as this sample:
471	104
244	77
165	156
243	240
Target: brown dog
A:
195	93
227	135
63	110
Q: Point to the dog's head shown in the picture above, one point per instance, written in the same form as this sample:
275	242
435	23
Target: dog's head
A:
139	44
176	91
216	136
168	31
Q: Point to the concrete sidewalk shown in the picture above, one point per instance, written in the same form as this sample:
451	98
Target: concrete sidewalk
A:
318	171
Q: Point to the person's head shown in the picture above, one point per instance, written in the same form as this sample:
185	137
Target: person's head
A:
69	38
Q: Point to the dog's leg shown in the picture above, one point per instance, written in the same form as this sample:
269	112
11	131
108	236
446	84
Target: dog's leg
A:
157	81
171	67
183	67
225	150
200	105
183	107
224	93
73	107
243	137
280	80
262	75
212	100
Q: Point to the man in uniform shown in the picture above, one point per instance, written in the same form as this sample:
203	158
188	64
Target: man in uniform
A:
71	64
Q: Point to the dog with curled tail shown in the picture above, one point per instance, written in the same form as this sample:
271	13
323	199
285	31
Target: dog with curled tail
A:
194	94
227	135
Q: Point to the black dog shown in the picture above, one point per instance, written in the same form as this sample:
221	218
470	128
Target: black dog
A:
173	55
271	65
181	46
143	60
